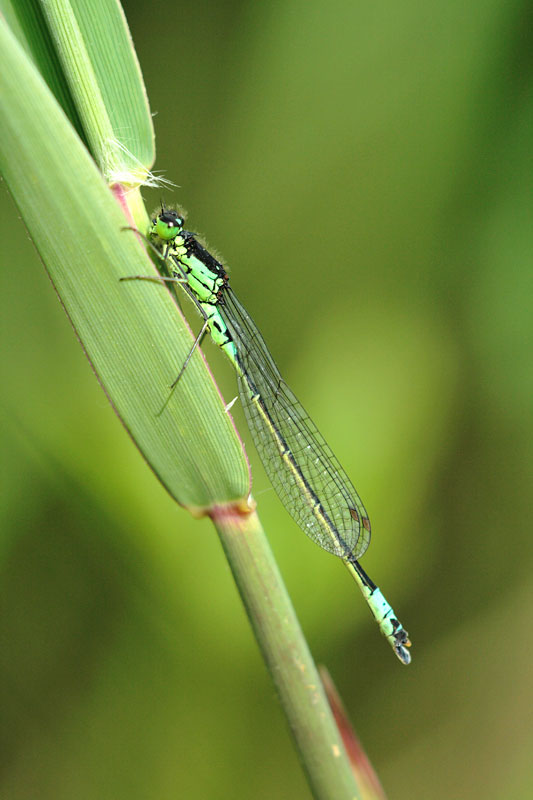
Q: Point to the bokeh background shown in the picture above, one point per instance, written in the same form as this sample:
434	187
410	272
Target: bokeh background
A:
365	170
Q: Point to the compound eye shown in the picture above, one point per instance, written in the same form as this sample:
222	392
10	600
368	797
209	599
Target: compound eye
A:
173	219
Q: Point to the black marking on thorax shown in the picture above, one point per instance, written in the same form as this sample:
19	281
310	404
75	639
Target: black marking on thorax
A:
194	248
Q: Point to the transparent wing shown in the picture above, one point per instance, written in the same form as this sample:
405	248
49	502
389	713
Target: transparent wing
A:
307	477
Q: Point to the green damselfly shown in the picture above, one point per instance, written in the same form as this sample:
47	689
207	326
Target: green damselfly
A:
307	477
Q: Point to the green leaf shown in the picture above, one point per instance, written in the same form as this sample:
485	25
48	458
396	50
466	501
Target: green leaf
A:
85	53
136	339
26	20
131	331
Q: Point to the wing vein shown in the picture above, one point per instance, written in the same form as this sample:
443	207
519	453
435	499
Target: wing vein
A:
306	475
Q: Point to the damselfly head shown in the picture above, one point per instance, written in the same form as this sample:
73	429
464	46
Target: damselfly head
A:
168	224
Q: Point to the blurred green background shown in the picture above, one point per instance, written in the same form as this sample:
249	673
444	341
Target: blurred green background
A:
365	171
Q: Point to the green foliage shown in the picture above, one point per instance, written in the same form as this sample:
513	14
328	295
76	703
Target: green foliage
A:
390	145
77	226
85	54
133	337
